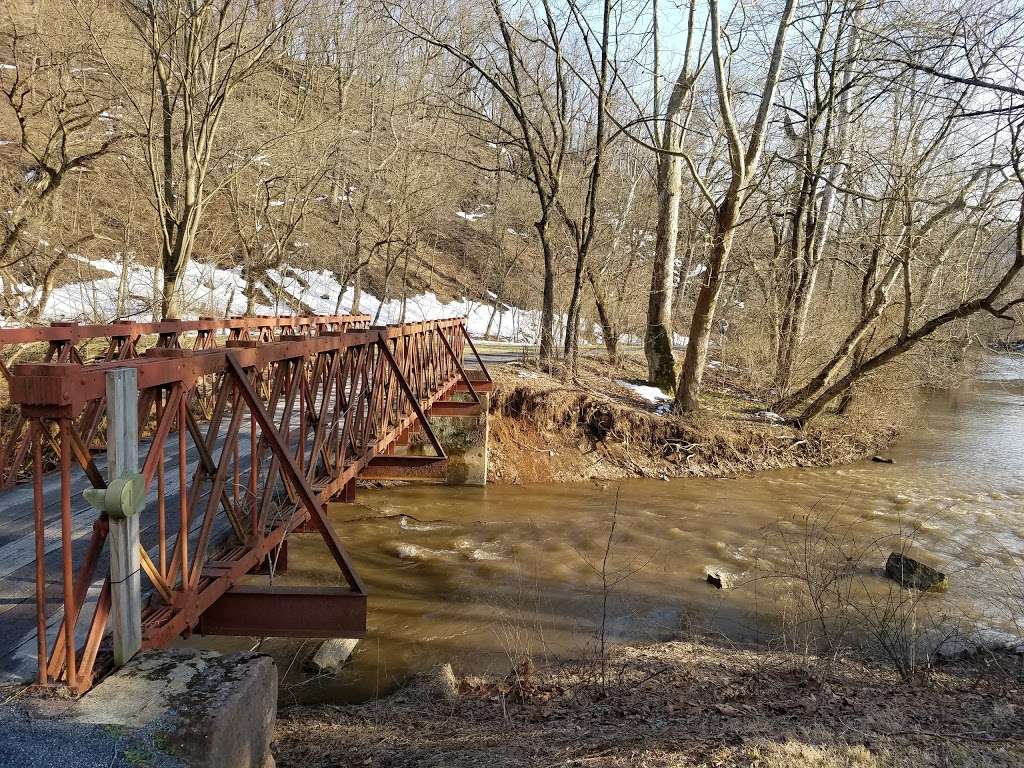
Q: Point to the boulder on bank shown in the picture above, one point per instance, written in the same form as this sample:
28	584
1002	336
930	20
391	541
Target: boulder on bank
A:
912	574
437	684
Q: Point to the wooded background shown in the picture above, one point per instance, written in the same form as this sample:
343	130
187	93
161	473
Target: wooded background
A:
822	186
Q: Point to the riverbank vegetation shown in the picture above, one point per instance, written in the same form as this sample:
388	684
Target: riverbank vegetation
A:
684	703
606	423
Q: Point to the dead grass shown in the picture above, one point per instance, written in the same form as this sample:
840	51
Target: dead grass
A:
682	704
544	429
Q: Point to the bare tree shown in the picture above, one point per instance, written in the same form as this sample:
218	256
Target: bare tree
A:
744	158
658	340
525	68
51	95
197	53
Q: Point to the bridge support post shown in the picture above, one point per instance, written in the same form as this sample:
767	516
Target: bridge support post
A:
123	464
464	438
475	455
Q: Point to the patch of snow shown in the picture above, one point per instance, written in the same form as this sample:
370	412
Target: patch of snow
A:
648	393
128	292
472	215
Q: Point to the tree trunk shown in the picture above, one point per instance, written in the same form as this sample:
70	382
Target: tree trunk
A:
608	333
169	303
796	268
661	364
357	291
692	375
743	163
494	311
572	319
547	313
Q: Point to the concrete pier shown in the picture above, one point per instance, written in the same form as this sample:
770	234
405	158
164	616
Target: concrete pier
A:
465	439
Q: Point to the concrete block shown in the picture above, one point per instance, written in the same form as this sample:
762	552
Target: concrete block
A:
331	655
210	710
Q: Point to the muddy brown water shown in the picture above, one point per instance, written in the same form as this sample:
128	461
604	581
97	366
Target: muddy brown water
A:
479	576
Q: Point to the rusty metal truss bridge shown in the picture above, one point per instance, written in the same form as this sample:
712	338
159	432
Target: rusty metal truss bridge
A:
248	428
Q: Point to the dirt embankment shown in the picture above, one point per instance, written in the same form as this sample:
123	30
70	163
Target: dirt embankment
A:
545	430
686	704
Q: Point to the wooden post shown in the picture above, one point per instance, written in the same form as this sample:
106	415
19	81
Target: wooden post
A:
123	461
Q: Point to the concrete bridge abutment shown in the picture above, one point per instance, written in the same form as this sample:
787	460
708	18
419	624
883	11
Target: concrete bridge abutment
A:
172	708
466	442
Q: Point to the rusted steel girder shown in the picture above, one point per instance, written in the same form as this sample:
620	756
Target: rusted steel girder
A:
406	468
283	427
125	340
248	611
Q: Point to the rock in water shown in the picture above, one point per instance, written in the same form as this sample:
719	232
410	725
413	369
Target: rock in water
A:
330	656
882	460
716	579
911	574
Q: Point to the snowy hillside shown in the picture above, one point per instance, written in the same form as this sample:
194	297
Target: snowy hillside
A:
210	291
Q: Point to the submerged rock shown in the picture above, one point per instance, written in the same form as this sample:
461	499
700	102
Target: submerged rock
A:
982	640
717	579
911	574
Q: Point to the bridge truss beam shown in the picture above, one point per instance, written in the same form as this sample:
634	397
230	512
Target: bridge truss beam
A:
244	445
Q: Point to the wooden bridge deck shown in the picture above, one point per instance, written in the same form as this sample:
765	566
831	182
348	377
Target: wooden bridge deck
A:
18	562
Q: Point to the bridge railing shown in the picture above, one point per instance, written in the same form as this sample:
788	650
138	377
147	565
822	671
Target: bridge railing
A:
243	445
73	343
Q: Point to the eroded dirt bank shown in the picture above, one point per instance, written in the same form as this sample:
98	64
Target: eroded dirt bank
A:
604	427
679	704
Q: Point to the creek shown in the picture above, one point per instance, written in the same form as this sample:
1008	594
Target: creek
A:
481	577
